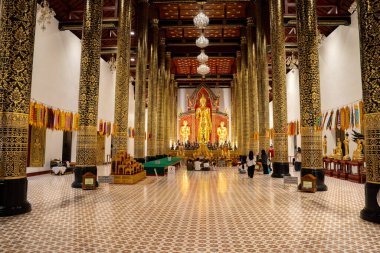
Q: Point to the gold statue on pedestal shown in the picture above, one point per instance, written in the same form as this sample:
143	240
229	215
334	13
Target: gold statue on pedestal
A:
346	148
358	155
222	133
324	143
337	153
203	114
185	132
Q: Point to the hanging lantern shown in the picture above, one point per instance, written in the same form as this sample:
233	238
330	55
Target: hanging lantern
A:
202	41
203	69
202	57
201	20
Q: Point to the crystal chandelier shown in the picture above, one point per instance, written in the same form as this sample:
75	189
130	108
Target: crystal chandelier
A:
112	63
292	62
202	57
46	14
202	41
203	69
201	20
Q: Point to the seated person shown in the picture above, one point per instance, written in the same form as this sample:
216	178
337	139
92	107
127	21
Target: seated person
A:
241	168
197	164
206	165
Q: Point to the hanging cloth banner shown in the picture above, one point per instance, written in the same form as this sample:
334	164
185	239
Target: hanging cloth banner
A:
330	120
357	116
43	116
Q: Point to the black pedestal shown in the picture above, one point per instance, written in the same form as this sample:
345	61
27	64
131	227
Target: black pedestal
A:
140	160
371	211
280	170
79	172
150	158
319	174
13	197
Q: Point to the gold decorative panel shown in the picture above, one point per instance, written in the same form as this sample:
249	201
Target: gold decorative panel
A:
37	147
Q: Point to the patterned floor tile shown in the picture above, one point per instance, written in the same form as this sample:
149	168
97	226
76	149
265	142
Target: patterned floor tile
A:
191	211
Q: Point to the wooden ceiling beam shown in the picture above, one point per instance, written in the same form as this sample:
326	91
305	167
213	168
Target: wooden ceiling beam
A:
291	20
214	23
193	1
72	25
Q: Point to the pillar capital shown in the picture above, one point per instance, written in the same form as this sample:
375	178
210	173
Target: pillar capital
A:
243	40
250	21
155	22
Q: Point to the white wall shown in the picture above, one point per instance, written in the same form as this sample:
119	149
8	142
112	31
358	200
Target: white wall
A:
55	82
340	77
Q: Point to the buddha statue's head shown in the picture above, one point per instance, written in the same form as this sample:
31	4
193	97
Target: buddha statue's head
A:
202	100
185	122
222	124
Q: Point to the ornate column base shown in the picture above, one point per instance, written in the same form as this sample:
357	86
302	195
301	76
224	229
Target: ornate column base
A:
371	211
13	197
79	172
319	174
280	169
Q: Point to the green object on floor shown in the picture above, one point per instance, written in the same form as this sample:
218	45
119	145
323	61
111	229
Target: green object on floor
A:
160	165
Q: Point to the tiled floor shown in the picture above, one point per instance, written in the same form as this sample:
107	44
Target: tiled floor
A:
216	211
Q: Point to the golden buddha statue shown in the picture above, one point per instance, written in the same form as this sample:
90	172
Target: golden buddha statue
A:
358	155
324	143
346	148
203	114
222	133
338	150
185	131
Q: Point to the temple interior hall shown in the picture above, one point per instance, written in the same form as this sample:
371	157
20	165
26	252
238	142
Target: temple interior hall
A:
189	126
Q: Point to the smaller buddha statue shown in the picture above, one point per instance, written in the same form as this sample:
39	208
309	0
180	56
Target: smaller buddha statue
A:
324	143
222	133
185	132
346	148
338	150
358	153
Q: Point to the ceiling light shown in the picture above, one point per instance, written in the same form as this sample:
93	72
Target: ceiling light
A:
132	33
202	41
203	70
201	20
202	57
132	59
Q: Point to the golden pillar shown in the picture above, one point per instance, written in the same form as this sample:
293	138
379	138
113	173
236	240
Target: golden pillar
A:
263	80
233	112
89	90
17	23
245	97
252	89
239	105
370	64
152	94
120	139
166	102
140	84
311	138
280	164
160	92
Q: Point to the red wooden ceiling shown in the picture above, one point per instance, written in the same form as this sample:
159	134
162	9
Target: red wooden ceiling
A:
212	10
174	12
218	65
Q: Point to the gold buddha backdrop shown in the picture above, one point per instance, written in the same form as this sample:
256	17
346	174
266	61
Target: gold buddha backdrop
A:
203	122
